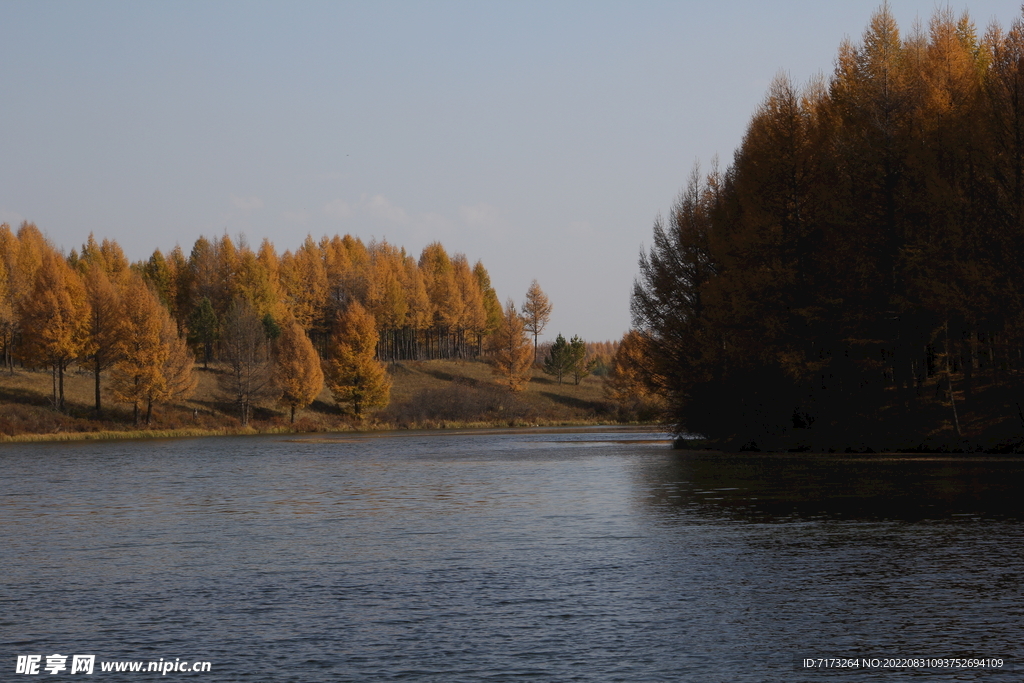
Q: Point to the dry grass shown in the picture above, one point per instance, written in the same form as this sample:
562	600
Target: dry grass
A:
425	394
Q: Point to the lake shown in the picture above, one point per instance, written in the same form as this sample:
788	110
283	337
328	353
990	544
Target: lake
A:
560	555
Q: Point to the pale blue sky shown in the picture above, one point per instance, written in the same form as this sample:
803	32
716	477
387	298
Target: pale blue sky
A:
540	137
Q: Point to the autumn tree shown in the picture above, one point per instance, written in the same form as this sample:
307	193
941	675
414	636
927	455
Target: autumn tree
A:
137	374
160	278
536	312
492	307
8	320
105	311
254	282
510	352
628	382
305	284
387	299
203	274
297	372
445	296
178	369
55	319
472	322
356	379
247	351
23	255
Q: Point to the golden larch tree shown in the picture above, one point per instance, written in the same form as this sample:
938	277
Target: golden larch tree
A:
160	278
473	318
104	322
631	377
443	291
178	373
510	350
492	306
8	321
418	315
23	253
141	353
254	283
304	280
357	380
386	299
55	319
297	372
536	312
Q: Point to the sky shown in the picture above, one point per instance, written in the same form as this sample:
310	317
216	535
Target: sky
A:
542	138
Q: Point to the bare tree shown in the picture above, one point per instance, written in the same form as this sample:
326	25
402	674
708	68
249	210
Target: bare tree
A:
247	350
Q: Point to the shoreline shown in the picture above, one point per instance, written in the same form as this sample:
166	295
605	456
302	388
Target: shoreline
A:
449	427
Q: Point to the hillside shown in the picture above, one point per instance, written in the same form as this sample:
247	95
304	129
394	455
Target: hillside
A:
425	394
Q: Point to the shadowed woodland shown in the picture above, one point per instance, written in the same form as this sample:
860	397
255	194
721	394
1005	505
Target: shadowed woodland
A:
854	279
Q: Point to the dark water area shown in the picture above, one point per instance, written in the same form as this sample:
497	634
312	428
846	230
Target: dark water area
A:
596	555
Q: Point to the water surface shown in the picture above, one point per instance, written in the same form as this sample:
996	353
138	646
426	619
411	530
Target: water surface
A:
488	556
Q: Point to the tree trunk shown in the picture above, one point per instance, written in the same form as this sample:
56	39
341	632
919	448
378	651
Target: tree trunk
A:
949	380
96	373
60	374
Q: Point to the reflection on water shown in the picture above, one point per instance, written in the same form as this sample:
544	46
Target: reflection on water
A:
770	487
567	555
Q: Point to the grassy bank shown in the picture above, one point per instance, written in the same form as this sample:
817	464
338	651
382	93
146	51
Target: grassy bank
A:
425	395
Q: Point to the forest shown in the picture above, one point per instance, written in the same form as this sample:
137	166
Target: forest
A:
271	331
279	322
854	279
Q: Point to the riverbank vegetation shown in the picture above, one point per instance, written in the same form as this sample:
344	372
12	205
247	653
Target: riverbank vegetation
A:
854	279
324	336
432	394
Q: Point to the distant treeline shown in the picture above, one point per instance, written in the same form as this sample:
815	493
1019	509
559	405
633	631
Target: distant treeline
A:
349	301
436	307
863	256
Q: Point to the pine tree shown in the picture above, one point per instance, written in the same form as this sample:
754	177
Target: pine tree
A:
510	351
579	364
356	379
536	312
297	372
559	360
203	328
